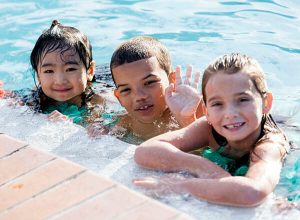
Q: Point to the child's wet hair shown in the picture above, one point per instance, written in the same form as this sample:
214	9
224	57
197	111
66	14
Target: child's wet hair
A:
61	38
235	63
138	48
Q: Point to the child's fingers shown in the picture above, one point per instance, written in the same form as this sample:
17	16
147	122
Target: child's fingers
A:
55	112
188	74
196	80
57	116
147	182
178	75
169	90
197	77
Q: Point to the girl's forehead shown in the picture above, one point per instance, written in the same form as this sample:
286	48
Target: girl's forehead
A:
61	55
222	83
221	77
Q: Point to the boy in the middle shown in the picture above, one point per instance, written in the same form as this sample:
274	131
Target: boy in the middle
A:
155	98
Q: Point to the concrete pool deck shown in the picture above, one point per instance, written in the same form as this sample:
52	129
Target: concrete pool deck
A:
38	185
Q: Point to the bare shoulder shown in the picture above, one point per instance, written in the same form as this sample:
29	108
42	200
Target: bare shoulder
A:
122	125
98	100
269	151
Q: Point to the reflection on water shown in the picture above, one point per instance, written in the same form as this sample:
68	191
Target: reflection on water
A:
195	32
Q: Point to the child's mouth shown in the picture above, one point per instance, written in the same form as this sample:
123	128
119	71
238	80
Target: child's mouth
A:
144	108
62	90
234	125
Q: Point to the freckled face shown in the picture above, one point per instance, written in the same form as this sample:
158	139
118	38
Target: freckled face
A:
141	89
62	77
234	106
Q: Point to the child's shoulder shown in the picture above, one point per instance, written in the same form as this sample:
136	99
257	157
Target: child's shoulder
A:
273	135
98	99
124	121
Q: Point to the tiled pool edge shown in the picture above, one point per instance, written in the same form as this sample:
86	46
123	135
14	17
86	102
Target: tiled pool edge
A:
37	185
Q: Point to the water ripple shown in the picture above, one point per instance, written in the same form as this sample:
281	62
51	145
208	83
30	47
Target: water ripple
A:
187	35
235	13
286	49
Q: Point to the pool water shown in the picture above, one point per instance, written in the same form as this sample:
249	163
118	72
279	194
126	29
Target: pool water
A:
195	31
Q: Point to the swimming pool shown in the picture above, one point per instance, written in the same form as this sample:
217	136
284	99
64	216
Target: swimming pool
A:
195	32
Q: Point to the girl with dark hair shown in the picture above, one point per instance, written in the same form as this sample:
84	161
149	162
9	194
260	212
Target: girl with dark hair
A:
63	65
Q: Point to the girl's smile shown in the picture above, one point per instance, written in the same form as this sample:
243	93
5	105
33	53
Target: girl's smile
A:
62	77
234	106
234	126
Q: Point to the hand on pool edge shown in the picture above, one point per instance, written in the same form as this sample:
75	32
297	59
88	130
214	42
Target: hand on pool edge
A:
57	116
161	185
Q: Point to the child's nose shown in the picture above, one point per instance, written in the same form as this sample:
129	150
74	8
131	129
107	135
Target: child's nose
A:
60	78
140	94
231	111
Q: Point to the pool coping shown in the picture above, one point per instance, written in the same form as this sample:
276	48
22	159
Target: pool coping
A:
35	184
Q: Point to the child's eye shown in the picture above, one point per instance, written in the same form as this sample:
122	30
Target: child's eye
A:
48	71
71	69
216	104
125	91
244	99
150	82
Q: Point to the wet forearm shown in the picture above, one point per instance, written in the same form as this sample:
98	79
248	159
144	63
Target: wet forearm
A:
161	156
234	191
166	157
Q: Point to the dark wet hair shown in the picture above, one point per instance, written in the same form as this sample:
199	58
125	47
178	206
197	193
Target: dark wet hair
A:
234	63
62	39
138	48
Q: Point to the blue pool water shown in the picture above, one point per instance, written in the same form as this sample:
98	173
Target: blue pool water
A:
195	31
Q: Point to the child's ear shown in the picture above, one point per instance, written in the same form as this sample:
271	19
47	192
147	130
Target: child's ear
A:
91	71
172	77
204	109
116	94
267	102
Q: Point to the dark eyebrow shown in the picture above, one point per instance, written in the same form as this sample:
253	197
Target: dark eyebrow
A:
47	64
212	99
146	77
242	93
71	62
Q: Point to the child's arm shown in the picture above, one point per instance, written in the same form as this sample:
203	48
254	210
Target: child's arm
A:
183	98
247	191
167	152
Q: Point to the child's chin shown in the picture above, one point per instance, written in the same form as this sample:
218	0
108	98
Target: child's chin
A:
146	120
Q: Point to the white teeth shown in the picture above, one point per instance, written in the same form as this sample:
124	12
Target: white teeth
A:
234	125
143	107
